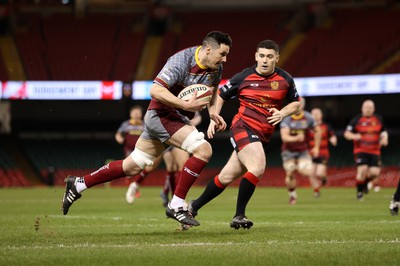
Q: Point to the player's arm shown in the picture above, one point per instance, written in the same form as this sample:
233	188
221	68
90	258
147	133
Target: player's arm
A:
384	138
350	133
278	115
317	141
163	95
214	113
119	138
333	140
287	137
196	120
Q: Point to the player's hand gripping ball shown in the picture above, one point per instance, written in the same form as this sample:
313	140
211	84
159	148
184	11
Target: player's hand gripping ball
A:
204	93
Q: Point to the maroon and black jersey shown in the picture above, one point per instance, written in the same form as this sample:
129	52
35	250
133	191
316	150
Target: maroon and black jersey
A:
370	129
326	133
131	130
298	124
181	70
257	94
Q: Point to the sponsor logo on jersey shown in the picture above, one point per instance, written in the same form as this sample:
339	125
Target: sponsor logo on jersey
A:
265	98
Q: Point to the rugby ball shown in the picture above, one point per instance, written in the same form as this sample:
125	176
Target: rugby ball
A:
204	93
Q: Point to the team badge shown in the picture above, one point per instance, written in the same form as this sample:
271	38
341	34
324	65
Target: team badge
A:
274	85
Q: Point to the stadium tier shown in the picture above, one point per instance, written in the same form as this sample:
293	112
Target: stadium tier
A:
108	46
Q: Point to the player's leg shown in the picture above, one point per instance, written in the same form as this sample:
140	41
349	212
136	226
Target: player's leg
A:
169	184
180	157
290	165
374	170
395	202
191	140
230	172
253	158
322	172
361	182
133	189
144	154
304	166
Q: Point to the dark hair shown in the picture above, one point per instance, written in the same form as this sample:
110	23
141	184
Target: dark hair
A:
268	44
216	38
136	107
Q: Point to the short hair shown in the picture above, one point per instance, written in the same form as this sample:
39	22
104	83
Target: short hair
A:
216	38
137	106
268	44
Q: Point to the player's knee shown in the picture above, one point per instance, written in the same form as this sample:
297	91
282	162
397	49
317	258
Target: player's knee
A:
289	166
226	179
305	167
194	140
142	159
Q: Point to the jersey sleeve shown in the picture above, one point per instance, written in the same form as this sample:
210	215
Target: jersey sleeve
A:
383	128
122	127
331	133
352	125
285	122
310	120
231	88
172	72
292	94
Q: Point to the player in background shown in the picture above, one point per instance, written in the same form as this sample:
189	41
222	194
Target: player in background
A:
174	160
395	202
261	90
368	133
295	153
167	123
127	134
320	162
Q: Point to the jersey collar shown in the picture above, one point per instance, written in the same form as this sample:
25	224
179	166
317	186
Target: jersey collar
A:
196	56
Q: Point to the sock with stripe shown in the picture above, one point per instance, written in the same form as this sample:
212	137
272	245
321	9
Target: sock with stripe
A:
213	189
106	173
191	170
396	196
246	190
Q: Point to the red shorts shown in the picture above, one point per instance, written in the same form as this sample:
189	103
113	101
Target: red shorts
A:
241	136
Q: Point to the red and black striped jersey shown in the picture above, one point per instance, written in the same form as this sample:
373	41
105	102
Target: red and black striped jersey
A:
326	133
370	129
257	94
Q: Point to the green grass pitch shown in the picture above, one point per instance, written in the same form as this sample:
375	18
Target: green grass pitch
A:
102	229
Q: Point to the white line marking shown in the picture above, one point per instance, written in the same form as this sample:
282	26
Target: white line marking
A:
269	242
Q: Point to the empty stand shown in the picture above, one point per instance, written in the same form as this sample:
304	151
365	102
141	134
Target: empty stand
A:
356	42
96	47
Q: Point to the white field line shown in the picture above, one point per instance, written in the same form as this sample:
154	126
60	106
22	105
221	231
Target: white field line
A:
157	245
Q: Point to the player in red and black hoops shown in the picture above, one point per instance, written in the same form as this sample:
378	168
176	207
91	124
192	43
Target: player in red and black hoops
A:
261	90
167	123
368	133
320	162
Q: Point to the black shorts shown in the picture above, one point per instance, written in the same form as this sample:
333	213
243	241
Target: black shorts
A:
363	158
320	160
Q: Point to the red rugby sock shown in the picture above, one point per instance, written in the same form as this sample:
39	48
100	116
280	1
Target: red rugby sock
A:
191	170
104	174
